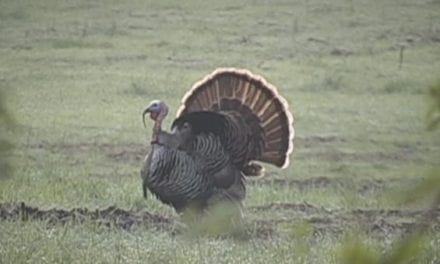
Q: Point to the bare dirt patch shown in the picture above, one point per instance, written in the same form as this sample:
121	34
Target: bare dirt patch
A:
335	155
298	207
376	222
360	185
127	152
326	147
379	223
115	152
318	181
128	220
110	216
316	140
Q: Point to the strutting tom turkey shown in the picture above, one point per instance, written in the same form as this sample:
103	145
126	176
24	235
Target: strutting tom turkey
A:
228	121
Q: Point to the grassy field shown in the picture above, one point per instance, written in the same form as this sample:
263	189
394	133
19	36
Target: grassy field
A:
77	75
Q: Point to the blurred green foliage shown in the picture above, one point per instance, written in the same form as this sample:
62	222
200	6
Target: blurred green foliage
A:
426	190
405	250
433	115
410	246
223	219
356	251
7	123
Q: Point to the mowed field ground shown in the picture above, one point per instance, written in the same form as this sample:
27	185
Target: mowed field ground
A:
77	75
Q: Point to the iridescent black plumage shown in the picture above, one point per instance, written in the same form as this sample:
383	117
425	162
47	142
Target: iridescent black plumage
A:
227	121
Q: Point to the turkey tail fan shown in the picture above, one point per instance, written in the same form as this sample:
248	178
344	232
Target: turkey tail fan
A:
256	101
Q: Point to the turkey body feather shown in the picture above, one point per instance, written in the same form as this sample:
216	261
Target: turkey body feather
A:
227	121
189	178
175	177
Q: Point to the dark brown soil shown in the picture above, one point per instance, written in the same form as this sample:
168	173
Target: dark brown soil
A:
379	223
116	152
361	185
111	216
297	207
316	140
376	222
336	155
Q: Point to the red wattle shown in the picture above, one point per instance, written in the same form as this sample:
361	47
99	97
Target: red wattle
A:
154	115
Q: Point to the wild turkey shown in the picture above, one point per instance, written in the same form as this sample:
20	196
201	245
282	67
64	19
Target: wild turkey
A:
227	121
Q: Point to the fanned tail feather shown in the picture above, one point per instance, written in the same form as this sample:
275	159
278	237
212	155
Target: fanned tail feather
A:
256	101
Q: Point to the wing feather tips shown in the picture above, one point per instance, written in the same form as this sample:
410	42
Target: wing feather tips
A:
278	125
291	134
284	161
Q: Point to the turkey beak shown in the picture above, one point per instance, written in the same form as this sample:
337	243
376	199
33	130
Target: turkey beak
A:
146	111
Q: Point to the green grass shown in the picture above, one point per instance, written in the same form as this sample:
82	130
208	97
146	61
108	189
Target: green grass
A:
76	76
